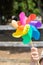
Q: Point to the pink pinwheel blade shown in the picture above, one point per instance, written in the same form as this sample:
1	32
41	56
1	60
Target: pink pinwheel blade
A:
23	18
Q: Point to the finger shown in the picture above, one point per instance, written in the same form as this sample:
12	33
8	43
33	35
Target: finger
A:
36	58
34	53
33	49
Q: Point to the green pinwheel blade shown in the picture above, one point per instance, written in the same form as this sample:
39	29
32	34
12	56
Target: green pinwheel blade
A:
27	38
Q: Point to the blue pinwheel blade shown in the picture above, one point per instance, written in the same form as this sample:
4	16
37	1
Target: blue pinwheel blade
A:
35	33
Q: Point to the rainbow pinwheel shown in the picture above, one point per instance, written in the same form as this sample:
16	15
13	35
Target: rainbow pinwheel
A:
27	28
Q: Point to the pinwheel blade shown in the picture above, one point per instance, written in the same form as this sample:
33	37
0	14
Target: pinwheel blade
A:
30	18
35	33
27	38
19	32
36	23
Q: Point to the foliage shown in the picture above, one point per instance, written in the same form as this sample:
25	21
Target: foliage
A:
28	6
14	7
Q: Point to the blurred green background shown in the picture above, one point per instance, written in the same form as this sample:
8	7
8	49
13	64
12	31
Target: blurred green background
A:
9	8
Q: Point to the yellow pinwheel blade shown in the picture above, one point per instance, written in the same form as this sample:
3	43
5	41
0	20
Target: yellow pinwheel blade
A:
26	28
19	32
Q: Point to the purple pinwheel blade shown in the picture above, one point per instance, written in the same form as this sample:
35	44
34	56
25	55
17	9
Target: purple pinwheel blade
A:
36	23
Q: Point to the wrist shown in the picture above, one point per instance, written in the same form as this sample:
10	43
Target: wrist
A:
33	62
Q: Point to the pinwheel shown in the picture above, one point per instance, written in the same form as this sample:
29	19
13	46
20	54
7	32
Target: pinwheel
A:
26	28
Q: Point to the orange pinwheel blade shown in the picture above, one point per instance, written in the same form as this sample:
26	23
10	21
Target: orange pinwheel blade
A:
31	18
19	23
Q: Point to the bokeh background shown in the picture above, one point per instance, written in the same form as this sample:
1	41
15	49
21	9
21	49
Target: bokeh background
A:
9	8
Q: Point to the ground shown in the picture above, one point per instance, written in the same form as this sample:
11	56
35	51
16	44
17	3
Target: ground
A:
15	56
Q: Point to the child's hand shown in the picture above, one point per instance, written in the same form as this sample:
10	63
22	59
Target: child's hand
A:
34	54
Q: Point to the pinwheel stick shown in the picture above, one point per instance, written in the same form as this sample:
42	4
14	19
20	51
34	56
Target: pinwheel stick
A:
32	43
